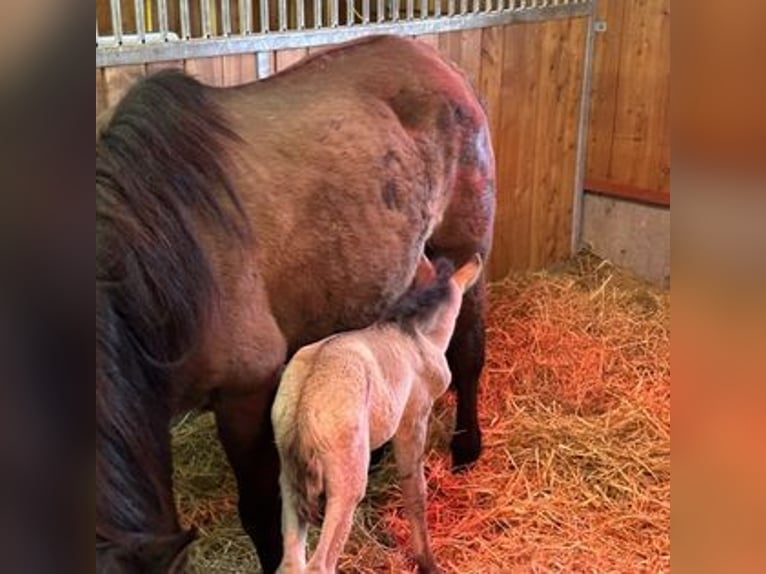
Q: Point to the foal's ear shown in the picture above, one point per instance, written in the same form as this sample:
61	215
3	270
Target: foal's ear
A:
469	273
425	273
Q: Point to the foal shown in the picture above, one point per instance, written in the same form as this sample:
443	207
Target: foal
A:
352	392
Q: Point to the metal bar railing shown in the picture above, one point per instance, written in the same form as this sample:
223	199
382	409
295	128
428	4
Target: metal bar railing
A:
282	13
140	20
333	13
300	15
290	20
162	14
264	12
317	13
226	18
185	22
116	10
204	10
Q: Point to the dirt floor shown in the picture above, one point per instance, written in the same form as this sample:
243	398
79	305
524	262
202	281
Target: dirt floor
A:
575	474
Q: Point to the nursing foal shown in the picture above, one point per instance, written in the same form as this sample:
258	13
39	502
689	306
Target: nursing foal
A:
352	392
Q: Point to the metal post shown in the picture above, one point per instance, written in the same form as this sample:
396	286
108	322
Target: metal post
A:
226	17
300	15
116	20
317	13
162	9
204	10
334	13
582	131
140	20
185	26
263	61
282	7
365	11
264	15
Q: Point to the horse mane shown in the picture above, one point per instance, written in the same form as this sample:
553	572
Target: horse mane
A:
161	174
419	302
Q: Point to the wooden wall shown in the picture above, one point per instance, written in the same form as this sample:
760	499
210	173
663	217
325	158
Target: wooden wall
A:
529	76
629	133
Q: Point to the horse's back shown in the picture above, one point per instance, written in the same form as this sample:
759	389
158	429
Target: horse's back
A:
348	164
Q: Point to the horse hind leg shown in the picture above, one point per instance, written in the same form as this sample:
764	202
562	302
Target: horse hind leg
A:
346	482
465	355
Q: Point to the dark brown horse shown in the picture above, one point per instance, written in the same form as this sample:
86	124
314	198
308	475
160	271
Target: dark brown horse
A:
234	226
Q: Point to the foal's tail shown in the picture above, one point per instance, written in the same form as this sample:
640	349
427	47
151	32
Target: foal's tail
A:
303	471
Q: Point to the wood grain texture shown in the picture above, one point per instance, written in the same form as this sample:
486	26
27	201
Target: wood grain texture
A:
629	133
207	70
118	79
286	58
237	70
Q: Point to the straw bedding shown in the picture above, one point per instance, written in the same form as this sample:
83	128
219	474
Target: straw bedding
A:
575	474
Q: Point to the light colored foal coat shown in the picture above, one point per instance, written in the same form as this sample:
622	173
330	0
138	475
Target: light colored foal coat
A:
350	393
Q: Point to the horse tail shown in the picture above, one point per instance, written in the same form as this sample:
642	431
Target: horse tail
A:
303	471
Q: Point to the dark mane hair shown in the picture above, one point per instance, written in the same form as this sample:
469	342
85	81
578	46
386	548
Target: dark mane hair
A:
419	302
161	173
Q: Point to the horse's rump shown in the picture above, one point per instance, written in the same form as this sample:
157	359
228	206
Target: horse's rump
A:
351	160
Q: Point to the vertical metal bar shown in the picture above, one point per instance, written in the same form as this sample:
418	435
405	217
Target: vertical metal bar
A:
185	26
247	7
282	8
423	9
450	7
263	61
162	9
334	13
300	14
410	9
437	8
582	132
318	13
140	20
226	17
204	10
241	12
116	20
350	13
365	11
264	4
463	6
96	32
381	11
394	10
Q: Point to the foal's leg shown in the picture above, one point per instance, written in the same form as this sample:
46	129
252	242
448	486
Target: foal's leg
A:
293	531
244	426
466	360
345	472
409	443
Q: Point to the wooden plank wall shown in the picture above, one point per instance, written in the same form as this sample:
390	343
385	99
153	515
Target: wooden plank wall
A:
629	133
529	76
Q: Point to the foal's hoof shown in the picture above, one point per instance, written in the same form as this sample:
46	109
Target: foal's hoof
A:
466	448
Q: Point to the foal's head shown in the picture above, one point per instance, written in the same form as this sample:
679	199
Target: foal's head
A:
432	304
439	325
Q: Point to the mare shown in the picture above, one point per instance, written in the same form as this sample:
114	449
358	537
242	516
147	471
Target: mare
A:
236	225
